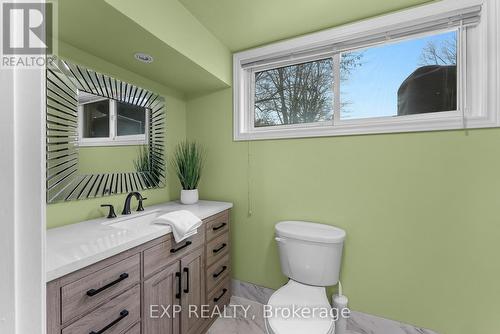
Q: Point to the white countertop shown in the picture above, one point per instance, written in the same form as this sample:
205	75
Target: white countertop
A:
79	245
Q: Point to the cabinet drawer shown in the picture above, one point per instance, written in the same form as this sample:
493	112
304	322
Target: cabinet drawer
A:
217	226
91	290
217	272
217	248
136	329
221	295
161	255
113	317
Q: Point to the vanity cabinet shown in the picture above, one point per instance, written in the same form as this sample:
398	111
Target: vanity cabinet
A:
180	284
193	292
161	289
128	293
218	263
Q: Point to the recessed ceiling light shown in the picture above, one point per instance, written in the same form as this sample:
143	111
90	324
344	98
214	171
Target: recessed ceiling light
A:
143	57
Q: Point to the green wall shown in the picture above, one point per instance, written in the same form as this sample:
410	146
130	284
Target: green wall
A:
420	211
75	211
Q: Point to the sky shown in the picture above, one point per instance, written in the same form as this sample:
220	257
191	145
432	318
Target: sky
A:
372	87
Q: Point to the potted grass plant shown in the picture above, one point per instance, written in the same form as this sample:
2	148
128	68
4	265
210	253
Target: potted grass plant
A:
188	163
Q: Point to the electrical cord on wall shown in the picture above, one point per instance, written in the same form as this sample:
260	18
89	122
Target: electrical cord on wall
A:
249	201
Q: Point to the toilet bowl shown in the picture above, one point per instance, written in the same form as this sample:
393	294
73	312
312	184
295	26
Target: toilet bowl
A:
311	299
310	256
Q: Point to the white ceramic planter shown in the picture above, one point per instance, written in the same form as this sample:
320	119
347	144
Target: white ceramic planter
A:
189	196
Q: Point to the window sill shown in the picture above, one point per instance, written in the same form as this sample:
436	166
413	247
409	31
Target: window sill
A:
452	120
111	143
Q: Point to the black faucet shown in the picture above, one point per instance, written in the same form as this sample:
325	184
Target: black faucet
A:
111	213
126	207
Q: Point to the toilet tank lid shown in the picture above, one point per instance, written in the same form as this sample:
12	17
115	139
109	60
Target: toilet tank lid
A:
308	231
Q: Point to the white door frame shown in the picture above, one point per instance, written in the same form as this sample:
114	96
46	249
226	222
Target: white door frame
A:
22	201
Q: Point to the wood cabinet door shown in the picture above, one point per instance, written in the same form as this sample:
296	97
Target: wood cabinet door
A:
193	291
161	294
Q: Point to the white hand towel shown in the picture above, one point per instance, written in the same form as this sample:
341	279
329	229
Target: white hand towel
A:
184	224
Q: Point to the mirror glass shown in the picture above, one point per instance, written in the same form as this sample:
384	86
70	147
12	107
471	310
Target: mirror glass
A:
112	135
104	136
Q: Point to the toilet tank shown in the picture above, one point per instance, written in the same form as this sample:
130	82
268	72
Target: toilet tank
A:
310	253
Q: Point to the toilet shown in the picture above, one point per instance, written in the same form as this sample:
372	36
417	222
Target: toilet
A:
310	256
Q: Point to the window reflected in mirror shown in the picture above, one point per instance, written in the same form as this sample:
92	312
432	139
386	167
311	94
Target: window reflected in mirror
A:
112	135
131	119
96	119
107	122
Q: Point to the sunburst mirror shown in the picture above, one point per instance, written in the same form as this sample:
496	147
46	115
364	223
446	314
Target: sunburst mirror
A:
104	136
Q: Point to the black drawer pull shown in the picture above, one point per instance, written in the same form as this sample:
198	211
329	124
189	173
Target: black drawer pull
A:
215	275
174	250
186	270
215	228
219	249
123	314
179	283
93	292
216	299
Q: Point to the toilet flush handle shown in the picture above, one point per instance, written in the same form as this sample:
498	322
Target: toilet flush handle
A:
278	239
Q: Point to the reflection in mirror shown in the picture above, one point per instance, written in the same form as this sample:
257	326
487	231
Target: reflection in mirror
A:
113	135
95	118
104	136
131	120
107	122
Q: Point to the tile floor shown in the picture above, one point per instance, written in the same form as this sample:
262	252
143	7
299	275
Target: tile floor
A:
358	323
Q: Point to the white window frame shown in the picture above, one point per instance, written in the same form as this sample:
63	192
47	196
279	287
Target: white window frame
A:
477	78
113	139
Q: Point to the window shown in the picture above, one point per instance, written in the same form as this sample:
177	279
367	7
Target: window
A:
413	76
295	94
416	70
106	122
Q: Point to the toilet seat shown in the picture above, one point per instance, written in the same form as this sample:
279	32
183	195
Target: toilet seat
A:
303	296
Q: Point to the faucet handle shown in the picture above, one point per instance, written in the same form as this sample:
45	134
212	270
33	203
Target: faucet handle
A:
111	213
139	206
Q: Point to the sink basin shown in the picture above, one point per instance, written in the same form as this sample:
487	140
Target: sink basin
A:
136	221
